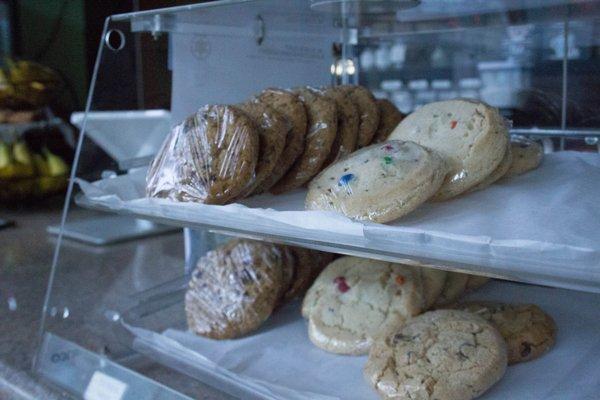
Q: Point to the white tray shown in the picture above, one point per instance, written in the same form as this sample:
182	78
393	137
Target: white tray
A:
541	227
279	362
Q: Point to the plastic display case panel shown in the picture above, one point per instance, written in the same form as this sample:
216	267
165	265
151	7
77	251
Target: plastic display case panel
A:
180	58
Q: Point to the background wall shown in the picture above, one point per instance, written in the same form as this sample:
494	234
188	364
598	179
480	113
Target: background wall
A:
53	32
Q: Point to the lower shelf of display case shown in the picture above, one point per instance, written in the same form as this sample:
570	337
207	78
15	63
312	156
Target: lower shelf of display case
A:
279	362
90	376
542	227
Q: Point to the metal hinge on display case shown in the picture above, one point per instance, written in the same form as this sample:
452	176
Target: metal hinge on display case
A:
90	376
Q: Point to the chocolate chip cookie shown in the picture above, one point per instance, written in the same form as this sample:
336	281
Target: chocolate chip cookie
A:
348	123
527	155
389	118
529	332
272	131
444	354
293	110
368	110
455	286
322	130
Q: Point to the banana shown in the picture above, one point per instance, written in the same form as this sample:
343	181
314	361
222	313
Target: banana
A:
9	168
5	156
56	165
23	161
41	166
21	153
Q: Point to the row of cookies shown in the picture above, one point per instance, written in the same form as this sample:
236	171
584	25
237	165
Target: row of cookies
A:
276	141
438	152
457	354
355	299
235	287
360	306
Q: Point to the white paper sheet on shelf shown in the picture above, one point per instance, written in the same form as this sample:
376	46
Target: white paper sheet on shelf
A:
543	226
281	360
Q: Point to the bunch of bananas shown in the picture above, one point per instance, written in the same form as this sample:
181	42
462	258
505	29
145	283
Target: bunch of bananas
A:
25	84
25	175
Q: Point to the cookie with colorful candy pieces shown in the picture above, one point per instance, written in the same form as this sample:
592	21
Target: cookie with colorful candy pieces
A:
378	183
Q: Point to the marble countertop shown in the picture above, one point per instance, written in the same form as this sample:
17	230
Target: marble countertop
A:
89	280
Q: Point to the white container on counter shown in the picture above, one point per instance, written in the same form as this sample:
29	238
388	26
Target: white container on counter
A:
421	92
443	89
382	57
391	85
367	59
469	88
502	80
398	54
403	99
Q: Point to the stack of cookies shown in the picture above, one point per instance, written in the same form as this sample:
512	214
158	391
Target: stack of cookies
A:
236	287
360	306
275	142
438	152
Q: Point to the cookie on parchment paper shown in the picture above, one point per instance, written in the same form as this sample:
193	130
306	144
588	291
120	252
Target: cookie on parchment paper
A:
455	286
469	134
434	281
389	118
476	281
209	158
368	109
322	130
527	156
378	183
293	110
348	123
529	332
444	354
308	264
496	174
354	300
234	289
272	132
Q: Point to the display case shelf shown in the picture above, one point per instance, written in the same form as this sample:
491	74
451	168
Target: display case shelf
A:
504	231
243	367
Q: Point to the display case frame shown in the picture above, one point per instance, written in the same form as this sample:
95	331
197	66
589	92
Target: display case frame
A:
222	30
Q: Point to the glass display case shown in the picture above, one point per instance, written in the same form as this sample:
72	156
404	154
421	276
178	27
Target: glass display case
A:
536	60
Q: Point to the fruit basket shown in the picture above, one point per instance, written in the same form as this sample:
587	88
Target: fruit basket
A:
28	176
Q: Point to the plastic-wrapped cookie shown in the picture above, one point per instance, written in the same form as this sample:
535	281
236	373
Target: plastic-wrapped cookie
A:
354	300
293	110
309	263
348	123
272	131
208	158
529	332
455	286
288	270
527	156
389	118
234	289
368	109
322	130
379	183
441	355
469	134
496	174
